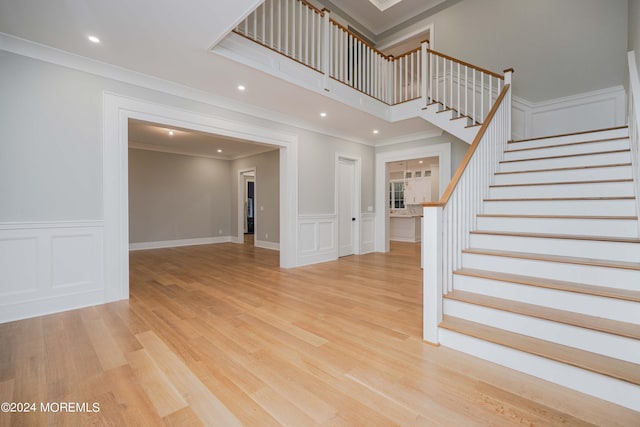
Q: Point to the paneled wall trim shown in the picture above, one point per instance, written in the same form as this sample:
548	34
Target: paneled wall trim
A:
590	110
48	267
317	238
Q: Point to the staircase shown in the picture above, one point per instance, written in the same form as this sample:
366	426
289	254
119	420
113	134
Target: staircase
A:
550	281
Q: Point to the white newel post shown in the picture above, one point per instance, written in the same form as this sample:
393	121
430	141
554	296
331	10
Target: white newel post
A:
424	47
432	273
507	81
326	47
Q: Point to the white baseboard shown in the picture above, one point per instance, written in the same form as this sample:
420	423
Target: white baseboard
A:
177	243
50	267
267	245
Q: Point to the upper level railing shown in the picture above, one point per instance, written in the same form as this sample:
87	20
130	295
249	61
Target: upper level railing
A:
308	35
634	125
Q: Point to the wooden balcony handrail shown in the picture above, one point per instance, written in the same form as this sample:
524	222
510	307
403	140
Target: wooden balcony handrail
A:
312	7
467	157
451	58
363	41
406	53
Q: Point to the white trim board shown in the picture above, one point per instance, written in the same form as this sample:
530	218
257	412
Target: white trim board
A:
49	267
274	246
160	244
117	110
443	151
585	111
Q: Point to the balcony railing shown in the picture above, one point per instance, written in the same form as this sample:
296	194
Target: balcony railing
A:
309	36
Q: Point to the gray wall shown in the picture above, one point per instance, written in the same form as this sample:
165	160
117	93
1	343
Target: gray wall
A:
267	194
173	197
558	48
51	143
634	28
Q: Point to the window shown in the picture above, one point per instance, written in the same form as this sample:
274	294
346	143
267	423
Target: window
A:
396	194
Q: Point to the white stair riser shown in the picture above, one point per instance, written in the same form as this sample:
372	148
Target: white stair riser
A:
578	227
600	189
600	386
572	336
594	249
561	150
592	136
591	275
624	207
590	174
591	305
566	162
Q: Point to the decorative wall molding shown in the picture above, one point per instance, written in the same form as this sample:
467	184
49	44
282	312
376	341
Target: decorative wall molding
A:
140	246
48	267
590	110
317	238
367	232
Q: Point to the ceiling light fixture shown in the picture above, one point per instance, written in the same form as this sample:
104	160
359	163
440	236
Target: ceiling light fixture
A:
171	132
421	162
219	150
93	39
376	131
241	88
323	114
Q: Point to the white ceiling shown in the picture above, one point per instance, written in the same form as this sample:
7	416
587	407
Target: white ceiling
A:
160	39
378	16
151	136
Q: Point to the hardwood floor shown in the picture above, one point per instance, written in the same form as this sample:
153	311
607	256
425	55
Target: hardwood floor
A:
219	335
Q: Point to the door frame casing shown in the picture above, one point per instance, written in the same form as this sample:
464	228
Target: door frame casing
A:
357	200
117	110
241	199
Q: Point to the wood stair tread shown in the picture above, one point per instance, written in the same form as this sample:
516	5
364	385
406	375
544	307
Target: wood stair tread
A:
559	236
615	368
611	165
533	184
564	156
596	217
549	199
584	132
556	258
566	144
560	285
623	329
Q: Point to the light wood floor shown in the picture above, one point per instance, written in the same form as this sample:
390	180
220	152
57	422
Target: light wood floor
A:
219	335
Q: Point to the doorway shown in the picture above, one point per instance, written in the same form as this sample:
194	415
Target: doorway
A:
117	111
247	217
348	205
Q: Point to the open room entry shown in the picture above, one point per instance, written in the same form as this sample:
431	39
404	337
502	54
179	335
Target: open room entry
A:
247	215
117	112
382	222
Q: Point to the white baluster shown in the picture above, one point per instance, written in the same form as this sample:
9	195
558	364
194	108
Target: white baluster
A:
306	35
424	64
458	80
481	97
326	47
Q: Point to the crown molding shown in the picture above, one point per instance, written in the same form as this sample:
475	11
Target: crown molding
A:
73	61
410	138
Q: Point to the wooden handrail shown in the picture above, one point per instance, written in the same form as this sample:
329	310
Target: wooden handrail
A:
467	157
451	58
363	41
315	9
406	53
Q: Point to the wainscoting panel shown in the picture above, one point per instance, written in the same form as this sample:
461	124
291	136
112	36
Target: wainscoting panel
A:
317	234
50	267
367	232
586	111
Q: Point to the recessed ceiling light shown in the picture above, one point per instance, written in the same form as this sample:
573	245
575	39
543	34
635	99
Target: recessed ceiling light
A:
376	131
171	132
241	88
323	114
420	162
93	39
219	150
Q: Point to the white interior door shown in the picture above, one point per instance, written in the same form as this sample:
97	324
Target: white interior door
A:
346	208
